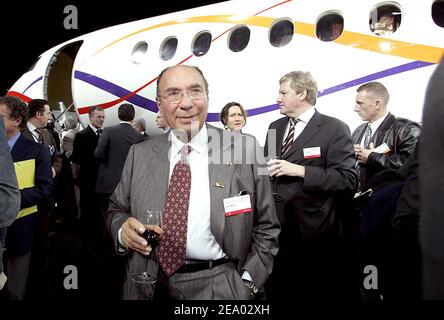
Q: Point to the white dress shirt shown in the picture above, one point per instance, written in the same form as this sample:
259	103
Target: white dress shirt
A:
201	244
301	124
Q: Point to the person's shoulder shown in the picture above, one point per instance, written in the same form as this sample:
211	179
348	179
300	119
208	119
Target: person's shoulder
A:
332	120
279	122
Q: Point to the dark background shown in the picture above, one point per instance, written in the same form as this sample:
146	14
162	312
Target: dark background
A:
30	28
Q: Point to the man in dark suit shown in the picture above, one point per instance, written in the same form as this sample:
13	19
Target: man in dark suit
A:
313	172
33	170
209	180
431	173
85	143
111	153
384	141
39	114
9	194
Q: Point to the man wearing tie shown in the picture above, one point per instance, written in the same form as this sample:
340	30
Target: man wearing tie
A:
85	143
384	141
33	170
219	229
312	174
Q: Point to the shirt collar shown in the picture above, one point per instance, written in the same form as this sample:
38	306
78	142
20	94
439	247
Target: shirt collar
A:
93	128
198	143
375	124
30	126
13	140
307	115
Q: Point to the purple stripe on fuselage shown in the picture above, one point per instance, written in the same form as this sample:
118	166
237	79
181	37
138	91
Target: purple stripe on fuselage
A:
35	81
214	117
116	90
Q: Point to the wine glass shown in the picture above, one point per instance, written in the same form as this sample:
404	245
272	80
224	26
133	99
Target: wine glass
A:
151	218
273	180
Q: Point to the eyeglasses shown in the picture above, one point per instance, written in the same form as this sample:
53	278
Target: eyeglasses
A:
176	95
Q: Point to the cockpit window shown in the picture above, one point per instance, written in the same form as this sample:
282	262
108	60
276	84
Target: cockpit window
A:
385	19
201	43
281	32
239	38
330	26
139	52
438	12
168	48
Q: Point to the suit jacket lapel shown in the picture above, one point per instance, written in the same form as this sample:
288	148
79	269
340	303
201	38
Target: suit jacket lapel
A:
380	132
220	176
309	131
280	131
357	136
161	163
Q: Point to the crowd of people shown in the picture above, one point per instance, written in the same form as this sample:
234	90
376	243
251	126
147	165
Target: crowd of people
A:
304	217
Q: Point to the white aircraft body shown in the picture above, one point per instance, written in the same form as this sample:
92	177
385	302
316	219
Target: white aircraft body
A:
243	48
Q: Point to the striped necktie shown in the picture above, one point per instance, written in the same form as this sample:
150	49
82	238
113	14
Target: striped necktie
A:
289	139
367	137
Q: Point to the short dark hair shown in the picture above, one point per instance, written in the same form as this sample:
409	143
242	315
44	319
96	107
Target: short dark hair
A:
17	109
226	109
126	112
36	105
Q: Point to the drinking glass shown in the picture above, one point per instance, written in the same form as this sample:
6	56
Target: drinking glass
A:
151	218
273	180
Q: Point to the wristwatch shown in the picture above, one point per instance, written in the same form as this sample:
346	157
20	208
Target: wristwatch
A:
250	285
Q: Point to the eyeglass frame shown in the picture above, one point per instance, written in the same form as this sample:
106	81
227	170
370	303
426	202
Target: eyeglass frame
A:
201	93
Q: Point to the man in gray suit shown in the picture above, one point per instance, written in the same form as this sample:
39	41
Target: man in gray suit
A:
312	174
231	224
9	194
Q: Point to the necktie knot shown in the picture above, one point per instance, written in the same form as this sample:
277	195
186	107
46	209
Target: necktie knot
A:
99	132
184	152
38	134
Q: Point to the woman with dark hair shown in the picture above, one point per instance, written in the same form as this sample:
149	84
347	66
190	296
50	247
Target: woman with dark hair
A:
233	116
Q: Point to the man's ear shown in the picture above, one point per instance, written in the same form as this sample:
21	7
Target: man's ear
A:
378	105
302	95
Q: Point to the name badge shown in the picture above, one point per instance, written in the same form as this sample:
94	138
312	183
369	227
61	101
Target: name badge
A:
383	148
237	205
314	152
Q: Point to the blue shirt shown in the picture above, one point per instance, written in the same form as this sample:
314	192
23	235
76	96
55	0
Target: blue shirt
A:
13	140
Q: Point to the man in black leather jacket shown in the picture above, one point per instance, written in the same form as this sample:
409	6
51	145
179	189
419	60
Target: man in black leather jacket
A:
384	141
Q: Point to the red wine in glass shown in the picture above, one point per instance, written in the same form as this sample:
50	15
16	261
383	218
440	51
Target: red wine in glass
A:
151	237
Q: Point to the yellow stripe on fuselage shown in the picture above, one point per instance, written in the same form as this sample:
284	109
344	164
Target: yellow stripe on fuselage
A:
352	39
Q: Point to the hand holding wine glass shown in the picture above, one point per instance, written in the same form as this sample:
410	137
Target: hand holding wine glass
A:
153	227
152	234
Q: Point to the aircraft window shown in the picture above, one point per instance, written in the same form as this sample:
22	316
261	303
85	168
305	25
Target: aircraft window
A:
329	26
281	32
385	19
438	13
239	38
168	48
201	43
139	52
